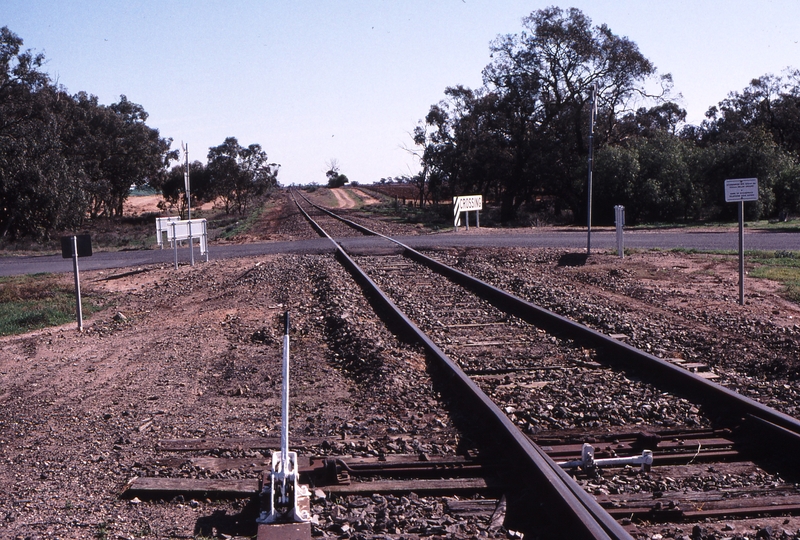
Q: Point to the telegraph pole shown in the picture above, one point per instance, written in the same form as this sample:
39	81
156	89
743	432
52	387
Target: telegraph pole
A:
188	201
186	182
592	112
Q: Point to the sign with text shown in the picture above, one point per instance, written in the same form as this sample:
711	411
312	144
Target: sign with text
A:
741	189
468	203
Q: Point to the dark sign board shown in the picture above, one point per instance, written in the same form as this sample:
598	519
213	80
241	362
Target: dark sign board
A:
84	242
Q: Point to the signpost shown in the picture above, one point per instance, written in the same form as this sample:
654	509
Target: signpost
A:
188	229
74	247
619	220
467	203
741	190
590	166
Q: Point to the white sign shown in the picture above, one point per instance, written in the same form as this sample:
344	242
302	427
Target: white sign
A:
189	229
741	189
467	203
162	223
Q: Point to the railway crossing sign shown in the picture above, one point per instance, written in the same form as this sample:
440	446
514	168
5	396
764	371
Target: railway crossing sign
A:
467	203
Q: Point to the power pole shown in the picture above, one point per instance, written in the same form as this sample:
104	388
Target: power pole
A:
186	182
592	113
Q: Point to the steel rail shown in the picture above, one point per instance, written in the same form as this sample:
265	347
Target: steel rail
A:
616	352
577	514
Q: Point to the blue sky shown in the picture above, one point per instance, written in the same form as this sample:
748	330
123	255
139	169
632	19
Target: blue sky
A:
348	80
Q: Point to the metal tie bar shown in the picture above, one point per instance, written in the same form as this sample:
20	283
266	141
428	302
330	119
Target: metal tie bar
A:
588	461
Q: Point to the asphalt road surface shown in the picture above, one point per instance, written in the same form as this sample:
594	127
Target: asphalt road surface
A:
601	240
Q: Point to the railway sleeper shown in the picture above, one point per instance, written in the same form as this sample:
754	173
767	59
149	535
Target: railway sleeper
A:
333	473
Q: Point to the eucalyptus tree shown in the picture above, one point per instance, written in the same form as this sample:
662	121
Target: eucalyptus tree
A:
64	157
649	169
238	174
464	149
40	189
544	78
259	176
532	113
769	103
173	185
756	133
137	154
116	150
334	174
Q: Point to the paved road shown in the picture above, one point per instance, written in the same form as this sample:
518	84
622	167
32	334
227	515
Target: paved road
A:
601	240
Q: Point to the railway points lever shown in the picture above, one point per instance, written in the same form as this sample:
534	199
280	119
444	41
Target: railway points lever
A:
286	496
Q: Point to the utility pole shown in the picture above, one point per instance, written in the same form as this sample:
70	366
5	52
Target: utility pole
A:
186	182
188	202
592	113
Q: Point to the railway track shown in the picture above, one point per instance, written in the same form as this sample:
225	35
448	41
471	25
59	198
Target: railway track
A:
711	447
531	458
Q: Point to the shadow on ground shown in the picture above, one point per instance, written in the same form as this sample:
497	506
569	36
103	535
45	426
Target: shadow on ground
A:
220	522
572	259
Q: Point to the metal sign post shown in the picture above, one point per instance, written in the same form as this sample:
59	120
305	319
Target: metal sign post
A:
162	224
592	112
191	243
175	243
285	395
741	253
619	220
74	247
741	190
78	308
187	229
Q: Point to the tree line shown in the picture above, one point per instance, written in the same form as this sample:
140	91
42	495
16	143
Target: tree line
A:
235	175
67	158
522	138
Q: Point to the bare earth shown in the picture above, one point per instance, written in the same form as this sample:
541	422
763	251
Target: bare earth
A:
136	206
367	199
196	352
343	198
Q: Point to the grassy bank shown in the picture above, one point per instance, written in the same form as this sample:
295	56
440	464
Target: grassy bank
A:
780	266
38	301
